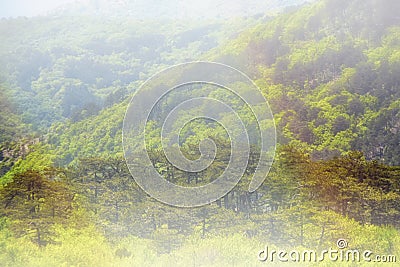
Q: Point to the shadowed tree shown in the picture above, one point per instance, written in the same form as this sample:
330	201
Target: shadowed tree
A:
35	201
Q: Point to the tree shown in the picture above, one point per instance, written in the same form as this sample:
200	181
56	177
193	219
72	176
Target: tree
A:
35	201
108	190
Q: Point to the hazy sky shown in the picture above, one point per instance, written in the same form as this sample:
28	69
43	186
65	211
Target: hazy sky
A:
14	8
176	8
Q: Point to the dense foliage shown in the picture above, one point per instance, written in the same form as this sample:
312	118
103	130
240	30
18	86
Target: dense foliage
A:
329	72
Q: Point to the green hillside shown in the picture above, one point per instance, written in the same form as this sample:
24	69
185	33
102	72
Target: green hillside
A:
329	72
57	68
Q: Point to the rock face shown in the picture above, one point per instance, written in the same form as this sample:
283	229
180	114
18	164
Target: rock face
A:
11	154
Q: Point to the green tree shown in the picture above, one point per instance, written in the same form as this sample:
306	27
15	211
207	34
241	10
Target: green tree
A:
35	201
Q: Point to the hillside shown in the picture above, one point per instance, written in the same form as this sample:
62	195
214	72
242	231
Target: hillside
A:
314	80
89	55
57	68
329	72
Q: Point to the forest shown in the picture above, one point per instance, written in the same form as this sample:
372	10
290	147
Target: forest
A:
329	71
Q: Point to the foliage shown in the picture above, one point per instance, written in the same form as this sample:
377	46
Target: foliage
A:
329	71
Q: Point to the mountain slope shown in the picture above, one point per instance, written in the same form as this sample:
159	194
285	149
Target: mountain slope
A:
329	72
71	67
332	88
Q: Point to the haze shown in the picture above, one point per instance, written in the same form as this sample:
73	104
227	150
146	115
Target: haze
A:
143	8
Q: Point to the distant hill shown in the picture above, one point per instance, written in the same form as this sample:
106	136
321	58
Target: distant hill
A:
71	67
331	79
88	55
329	70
